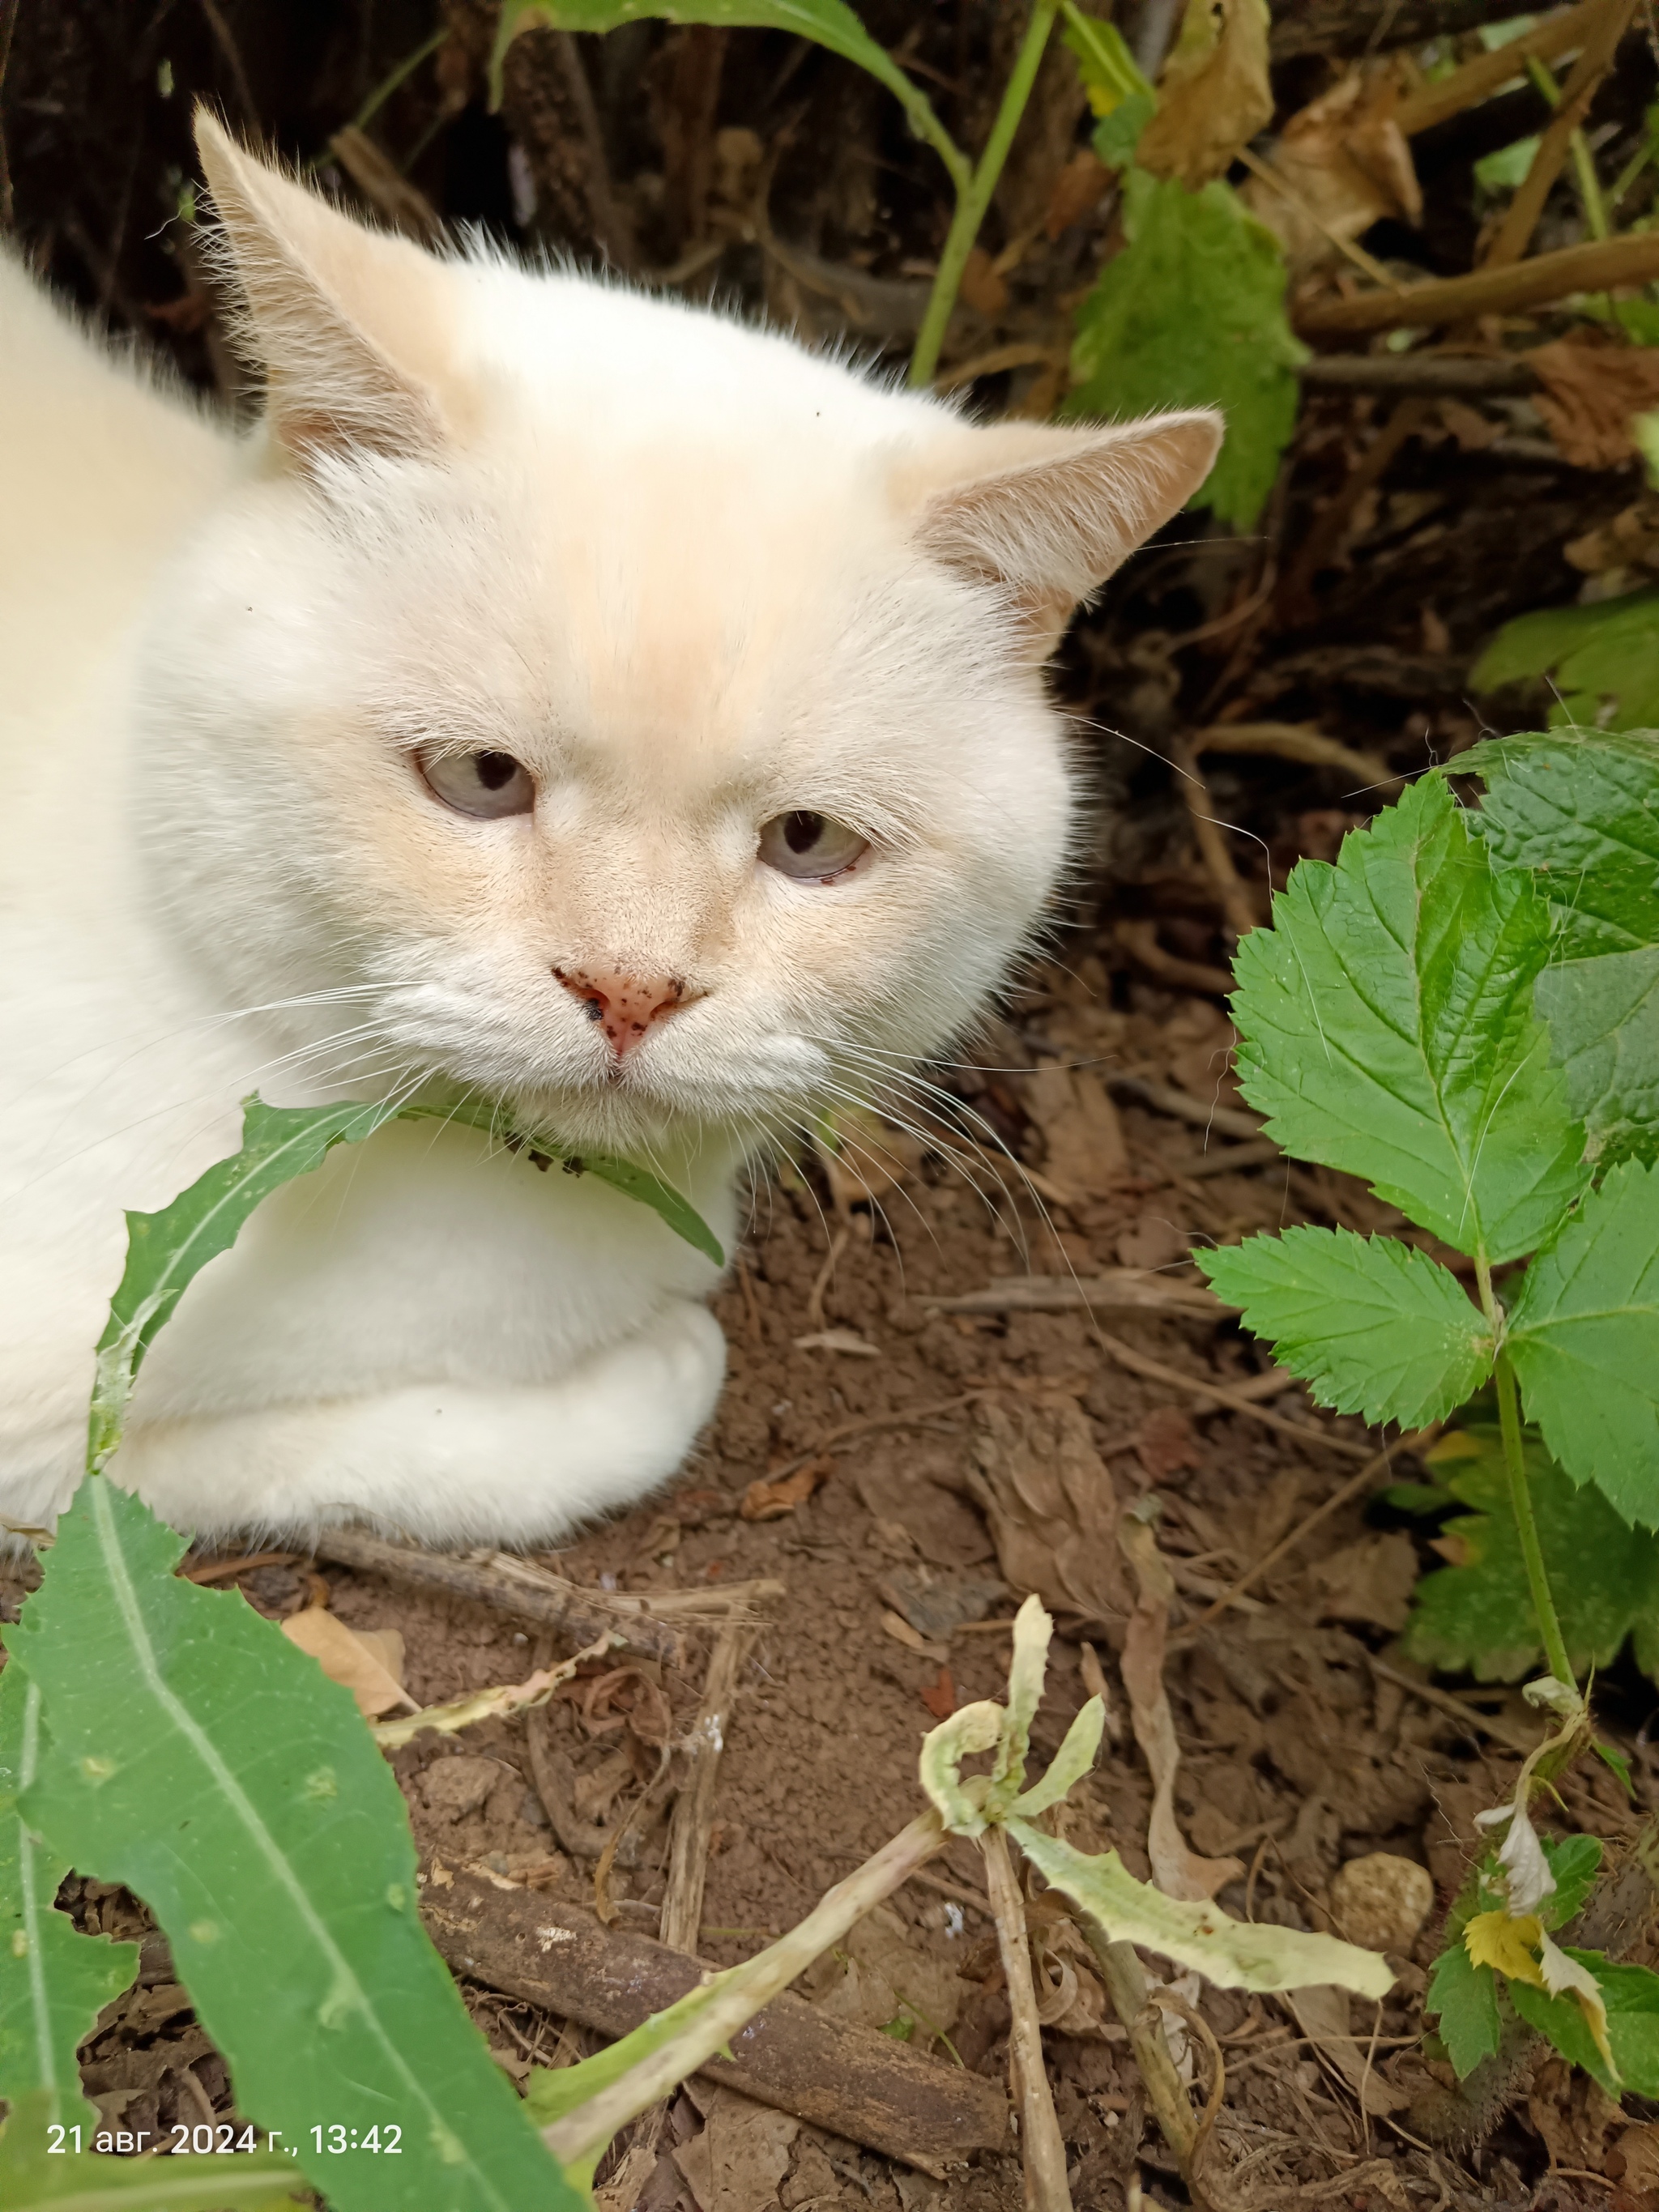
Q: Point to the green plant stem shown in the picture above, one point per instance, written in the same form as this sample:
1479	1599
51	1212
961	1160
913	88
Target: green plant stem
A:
974	193
1509	1421
1584	164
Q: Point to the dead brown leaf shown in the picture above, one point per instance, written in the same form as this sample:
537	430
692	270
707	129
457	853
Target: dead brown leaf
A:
636	1700
1370	1581
1343	163
940	1697
1077	192
1324	2014
738	2162
1050	1504
1085	1148
1165	1443
937	1605
1590	393
1213	96
368	1662
770	1501
983	285
1178	1871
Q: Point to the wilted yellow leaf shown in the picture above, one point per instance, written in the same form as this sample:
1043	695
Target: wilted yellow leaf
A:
364	1664
1493	1939
1213	96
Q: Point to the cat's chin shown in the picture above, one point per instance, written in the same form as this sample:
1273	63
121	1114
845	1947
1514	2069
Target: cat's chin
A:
632	1127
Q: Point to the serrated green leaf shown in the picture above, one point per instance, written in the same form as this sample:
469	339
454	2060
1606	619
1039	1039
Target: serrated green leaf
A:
200	1759
1140	347
1235	1954
1584	1335
1477	1617
33	2176
1603	1018
1076	1756
167	1249
54	1981
1575	1861
970	1728
1630	1995
1580	809
1463	1997
1604	658
1387	1029
1371	1325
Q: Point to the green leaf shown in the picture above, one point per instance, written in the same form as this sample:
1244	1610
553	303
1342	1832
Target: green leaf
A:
1584	1335
1372	1326
1074	1759
166	1250
1109	71
1464	1998
1631	1996
1477	1617
1387	1029
54	1982
1575	1861
1604	658
1581	809
200	1759
634	1183
829	23
1235	1954
1140	346
1604	1016
33	2175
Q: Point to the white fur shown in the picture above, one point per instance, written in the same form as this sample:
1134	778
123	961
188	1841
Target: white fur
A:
692	577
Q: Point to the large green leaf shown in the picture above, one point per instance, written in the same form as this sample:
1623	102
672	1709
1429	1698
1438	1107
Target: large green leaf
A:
1388	1029
1371	1326
1604	1016
199	1758
54	1981
1477	1617
33	2175
1581	809
1584	1334
1603	659
1630	1995
1192	313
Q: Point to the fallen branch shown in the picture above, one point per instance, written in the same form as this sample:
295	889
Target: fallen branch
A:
1230	888
1437	103
1290	741
1218	1393
1606	26
1119	1291
511	1586
1604	264
1226	1159
1043	2148
850	2080
1140	940
1439	376
1182	1106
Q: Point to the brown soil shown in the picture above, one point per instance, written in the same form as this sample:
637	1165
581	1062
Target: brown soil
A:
1297	1754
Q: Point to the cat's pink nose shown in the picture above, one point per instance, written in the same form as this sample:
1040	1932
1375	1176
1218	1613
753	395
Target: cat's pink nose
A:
625	1007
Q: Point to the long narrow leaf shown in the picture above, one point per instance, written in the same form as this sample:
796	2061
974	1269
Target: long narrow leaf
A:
197	1756
54	1981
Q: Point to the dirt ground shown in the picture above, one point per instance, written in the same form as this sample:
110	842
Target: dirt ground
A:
1000	1448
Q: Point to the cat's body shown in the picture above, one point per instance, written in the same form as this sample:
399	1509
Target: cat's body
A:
266	703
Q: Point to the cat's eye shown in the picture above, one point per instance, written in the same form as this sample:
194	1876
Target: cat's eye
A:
810	847
482	784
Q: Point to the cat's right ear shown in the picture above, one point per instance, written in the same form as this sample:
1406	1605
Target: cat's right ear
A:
342	319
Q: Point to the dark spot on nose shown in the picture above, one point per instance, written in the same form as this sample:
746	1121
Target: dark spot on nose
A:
595	1009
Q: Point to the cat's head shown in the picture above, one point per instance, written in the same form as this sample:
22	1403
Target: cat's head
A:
623	710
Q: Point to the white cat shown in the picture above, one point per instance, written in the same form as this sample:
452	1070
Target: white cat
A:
562	694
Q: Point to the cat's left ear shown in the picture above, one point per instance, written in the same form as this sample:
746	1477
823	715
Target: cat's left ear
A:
1050	513
346	322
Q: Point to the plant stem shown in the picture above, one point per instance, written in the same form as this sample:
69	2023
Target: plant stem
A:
1041	2147
974	195
1543	1605
632	2074
1584	164
1126	1986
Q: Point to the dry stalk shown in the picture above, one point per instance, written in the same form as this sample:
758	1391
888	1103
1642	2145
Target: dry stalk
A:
1043	2149
694	1809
